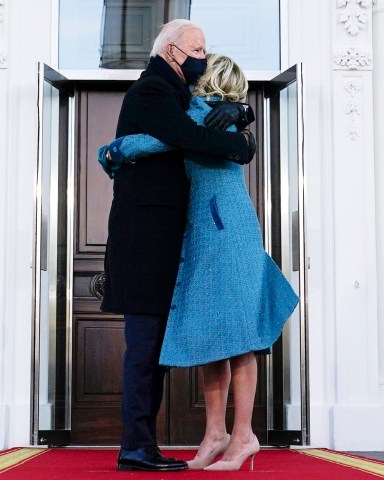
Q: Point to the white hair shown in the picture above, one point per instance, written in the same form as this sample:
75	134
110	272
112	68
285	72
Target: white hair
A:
171	32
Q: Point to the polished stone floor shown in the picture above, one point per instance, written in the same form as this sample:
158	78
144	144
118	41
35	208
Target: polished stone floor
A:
373	455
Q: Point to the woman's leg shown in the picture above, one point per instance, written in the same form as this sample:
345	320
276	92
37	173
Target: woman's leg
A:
244	380
216	378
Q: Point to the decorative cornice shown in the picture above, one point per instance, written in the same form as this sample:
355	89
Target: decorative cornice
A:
353	14
353	59
353	35
3	35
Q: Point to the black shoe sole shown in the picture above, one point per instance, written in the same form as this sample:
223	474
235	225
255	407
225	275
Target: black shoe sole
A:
132	468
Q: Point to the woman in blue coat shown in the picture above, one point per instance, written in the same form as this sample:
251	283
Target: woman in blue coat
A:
230	299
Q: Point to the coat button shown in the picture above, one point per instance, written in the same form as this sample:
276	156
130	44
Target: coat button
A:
181	260
173	307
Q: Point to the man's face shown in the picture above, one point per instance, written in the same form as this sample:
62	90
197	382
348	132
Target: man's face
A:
192	44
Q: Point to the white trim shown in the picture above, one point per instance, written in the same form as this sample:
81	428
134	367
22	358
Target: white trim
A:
55	11
129	75
3	34
358	427
284	35
378	124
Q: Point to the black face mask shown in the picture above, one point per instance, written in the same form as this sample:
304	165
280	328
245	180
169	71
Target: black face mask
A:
192	68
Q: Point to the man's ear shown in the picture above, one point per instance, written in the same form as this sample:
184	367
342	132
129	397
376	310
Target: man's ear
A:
170	51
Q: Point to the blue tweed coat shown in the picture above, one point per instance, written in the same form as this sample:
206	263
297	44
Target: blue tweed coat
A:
230	297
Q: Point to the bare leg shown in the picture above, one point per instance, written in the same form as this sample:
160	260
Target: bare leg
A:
217	377
244	380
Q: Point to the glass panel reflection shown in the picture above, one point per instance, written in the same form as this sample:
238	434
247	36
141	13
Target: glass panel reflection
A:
53	265
286	244
130	27
118	34
290	261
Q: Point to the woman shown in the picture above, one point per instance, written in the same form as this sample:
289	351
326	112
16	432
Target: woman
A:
230	298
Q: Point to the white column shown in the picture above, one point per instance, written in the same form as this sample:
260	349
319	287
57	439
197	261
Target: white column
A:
29	42
378	109
3	208
358	416
308	40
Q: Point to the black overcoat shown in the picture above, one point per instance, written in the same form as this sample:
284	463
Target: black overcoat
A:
147	217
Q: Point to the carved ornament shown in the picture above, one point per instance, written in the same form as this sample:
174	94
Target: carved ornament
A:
353	15
353	108
353	59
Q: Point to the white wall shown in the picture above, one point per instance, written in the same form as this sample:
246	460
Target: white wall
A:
28	42
378	77
308	41
3	209
346	410
358	413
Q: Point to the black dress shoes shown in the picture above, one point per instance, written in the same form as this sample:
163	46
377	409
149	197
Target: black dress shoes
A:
149	459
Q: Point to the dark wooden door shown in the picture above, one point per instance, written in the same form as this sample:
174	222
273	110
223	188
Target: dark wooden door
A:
98	340
98	343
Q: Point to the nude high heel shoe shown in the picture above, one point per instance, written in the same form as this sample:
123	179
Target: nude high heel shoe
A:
252	449
199	463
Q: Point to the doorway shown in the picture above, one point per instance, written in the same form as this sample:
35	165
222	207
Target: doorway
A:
98	338
89	344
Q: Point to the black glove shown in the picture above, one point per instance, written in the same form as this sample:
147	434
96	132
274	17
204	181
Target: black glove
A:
251	144
224	114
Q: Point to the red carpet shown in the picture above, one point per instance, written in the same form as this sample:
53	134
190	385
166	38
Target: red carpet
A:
270	464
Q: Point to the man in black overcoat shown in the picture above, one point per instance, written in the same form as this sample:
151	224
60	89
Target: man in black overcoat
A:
147	220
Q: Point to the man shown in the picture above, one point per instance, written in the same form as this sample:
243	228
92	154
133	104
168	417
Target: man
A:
146	224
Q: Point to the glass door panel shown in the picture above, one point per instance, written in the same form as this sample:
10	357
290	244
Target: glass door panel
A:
285	241
52	268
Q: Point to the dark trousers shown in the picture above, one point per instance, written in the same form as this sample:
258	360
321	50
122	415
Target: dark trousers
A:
143	379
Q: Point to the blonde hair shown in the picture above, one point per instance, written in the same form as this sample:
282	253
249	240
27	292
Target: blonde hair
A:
171	32
222	78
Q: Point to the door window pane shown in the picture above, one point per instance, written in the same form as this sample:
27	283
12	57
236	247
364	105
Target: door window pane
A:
118	34
246	30
130	27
